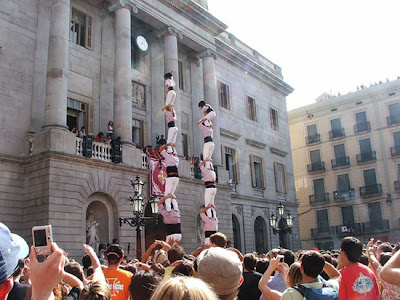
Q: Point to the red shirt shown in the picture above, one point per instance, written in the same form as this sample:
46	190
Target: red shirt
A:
358	283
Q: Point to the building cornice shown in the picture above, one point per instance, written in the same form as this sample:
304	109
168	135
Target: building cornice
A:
278	151
229	134
255	144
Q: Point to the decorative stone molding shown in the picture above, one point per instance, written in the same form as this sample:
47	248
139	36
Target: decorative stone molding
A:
229	134
123	4
278	151
170	31
253	211
195	60
208	53
265	211
239	210
255	144
138	96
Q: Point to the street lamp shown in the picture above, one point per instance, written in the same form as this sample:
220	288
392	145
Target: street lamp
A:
139	220
281	226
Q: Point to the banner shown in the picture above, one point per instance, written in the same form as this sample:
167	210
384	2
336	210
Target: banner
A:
158	176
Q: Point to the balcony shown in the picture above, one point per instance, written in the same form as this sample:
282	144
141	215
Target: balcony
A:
393	120
340	162
349	229
395	151
366	157
322	232
397	185
316	167
376	226
371	190
336	133
99	150
319	199
313	139
362	127
344	195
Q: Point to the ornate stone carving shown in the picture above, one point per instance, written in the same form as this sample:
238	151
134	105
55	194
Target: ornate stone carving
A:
123	4
170	31
253	211
278	151
255	144
265	211
239	210
138	96
229	134
208	53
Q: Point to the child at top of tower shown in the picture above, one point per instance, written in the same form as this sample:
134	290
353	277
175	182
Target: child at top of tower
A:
208	112
169	88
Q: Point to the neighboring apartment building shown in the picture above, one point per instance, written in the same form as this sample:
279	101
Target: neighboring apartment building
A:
346	157
67	64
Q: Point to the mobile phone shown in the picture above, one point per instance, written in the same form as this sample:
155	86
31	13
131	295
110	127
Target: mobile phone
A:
42	237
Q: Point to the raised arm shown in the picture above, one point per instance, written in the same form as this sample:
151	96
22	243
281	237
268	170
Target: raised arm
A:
97	272
391	270
263	283
146	255
72	280
162	200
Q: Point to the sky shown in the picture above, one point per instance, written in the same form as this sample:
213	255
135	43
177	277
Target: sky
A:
321	45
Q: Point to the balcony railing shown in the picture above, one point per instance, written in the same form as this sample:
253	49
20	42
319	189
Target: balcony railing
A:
395	151
349	229
397	185
340	162
313	139
371	190
376	226
362	127
344	195
366	157
316	167
393	120
336	133
319	198
100	150
322	232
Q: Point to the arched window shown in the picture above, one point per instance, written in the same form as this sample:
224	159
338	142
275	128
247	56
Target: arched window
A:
236	233
260	233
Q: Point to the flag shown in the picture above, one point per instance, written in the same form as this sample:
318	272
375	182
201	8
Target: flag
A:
158	176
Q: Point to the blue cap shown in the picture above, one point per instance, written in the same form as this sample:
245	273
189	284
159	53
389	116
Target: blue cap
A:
12	248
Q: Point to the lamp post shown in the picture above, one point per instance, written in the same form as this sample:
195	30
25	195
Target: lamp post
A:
139	220
282	225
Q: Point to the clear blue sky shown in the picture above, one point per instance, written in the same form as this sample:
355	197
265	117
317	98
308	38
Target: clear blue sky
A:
321	45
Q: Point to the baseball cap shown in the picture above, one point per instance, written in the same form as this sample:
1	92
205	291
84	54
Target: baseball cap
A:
220	268
12	248
116	250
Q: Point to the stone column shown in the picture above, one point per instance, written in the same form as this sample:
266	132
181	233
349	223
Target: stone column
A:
196	78
171	63
211	97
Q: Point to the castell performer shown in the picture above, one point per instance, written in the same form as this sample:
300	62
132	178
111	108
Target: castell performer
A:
209	178
210	222
169	88
172	221
171	162
170	117
208	112
208	146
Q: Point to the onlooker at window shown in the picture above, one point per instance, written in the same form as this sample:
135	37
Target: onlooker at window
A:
110	130
249	288
82	132
99	137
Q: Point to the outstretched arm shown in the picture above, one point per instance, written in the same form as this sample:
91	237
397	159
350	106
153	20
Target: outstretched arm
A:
146	255
162	200
391	270
97	272
263	284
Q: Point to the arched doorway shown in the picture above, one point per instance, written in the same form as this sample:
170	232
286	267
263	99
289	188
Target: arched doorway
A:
260	233
237	242
97	224
153	230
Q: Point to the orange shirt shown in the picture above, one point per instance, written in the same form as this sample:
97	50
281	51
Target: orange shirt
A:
118	281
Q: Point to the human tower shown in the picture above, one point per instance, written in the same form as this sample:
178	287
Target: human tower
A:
168	205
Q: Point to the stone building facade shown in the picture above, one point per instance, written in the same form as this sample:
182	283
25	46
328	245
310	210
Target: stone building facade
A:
346	165
68	64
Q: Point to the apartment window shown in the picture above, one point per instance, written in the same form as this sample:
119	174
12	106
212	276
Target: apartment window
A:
76	114
396	138
137	132
337	130
362	123
137	58
315	156
223	95
280	177
343	183
257	172
369	177
348	215
319	190
312	134
375	213
230	164
273	115
181	75
322	220
340	156
81	29
185	145
394	113
251	108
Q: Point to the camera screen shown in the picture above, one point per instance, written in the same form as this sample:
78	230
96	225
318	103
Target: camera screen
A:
40	238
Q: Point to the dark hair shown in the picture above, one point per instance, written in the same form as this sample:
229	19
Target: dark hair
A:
313	263
175	253
386	247
352	247
249	261
168	75
364	260
142	285
218	239
288	256
158	269
75	269
130	268
184	268
262	265
335	262
385	257
19	268
114	253
89	271
86	262
327	258
202	103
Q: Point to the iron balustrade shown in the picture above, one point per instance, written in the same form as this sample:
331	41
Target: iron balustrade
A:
322	232
348	229
395	151
393	120
319	198
366	157
376	226
312	139
344	195
336	133
362	127
340	162
316	167
371	190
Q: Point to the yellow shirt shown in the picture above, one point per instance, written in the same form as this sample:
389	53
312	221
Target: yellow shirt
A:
118	281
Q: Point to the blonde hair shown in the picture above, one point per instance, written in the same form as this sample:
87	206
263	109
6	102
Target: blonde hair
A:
183	288
294	274
95	290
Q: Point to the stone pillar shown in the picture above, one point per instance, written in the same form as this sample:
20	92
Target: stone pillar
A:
171	63
196	78
211	97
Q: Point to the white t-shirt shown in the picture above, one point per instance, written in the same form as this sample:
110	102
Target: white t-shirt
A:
170	82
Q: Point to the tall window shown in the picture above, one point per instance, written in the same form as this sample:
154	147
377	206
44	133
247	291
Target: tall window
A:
362	123
81	29
370	177
251	108
394	113
223	95
273	116
181	75
347	215
343	183
76	114
396	138
312	134
137	132
257	172
319	190
375	214
185	145
322	220
280	177
230	164
137	58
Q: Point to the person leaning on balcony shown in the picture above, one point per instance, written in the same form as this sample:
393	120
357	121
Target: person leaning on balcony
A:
82	132
99	137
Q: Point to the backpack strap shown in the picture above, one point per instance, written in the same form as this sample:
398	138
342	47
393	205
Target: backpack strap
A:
301	289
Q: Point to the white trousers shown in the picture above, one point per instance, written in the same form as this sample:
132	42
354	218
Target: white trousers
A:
207	241
209	196
208	149
211	115
170	187
170	99
176	237
171	203
172	134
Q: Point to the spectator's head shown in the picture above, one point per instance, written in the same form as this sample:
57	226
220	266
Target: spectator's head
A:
175	253
364	260
86	262
142	285
396	248
114	255
101	134
202	103
288	256
75	269
110	123
222	269
350	250
312	263
294	275
385	257
89	271
19	269
183	288
161	257
95	290
158	269
262	265
249	261
384	247
218	239
183	269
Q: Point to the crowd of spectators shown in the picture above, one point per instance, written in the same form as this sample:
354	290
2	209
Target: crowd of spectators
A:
211	272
